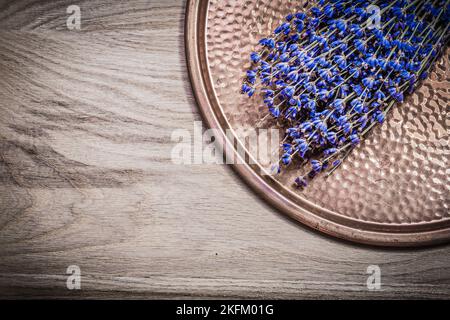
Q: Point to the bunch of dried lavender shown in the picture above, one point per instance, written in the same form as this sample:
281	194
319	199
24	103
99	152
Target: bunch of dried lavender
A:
330	76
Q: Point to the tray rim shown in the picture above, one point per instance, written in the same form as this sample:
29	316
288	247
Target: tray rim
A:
199	75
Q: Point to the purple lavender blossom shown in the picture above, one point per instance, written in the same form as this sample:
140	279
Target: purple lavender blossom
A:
328	77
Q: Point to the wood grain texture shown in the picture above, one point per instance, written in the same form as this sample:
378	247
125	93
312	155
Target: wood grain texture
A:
86	177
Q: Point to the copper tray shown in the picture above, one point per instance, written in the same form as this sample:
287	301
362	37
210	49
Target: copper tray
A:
393	190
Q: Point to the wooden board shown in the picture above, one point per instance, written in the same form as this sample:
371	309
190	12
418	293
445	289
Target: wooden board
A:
86	176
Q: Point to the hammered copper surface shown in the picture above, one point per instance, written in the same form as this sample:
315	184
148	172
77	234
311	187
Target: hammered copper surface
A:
395	182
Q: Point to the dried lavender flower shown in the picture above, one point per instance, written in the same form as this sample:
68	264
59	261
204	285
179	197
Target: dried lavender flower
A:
329	76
